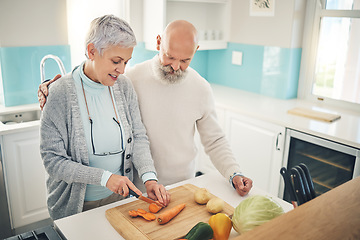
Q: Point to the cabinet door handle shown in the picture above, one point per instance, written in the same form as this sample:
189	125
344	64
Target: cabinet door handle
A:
277	141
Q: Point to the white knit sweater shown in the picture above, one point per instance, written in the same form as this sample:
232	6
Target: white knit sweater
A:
170	113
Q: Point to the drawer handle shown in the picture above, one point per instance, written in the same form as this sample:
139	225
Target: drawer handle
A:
277	141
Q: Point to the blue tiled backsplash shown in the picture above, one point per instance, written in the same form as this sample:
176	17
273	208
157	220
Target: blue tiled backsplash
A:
267	70
20	70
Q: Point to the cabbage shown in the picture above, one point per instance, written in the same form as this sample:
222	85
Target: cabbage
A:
254	211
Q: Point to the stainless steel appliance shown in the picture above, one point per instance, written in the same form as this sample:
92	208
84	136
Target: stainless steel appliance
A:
43	233
330	164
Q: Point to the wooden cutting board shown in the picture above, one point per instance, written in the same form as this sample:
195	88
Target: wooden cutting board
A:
318	115
138	228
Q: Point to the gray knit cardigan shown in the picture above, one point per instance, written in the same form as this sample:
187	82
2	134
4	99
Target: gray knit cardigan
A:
64	151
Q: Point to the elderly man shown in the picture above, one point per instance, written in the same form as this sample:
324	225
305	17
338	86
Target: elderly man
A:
174	100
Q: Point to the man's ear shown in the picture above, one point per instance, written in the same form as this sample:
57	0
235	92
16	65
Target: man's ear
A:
91	51
158	42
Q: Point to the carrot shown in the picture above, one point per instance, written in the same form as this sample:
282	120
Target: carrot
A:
154	208
149	216
133	213
141	212
170	214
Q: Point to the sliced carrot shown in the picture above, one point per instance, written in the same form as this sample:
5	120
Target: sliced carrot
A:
133	213
141	212
149	216
154	208
170	214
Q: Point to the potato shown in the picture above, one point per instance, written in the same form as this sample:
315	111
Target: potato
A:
202	196
215	205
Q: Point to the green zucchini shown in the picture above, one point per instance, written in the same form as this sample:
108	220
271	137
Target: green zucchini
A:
201	231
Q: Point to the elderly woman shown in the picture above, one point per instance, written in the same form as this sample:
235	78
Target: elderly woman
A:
92	136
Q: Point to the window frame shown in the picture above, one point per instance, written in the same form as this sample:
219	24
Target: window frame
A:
315	9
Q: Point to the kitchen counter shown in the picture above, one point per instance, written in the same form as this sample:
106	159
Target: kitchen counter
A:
94	225
18	127
346	130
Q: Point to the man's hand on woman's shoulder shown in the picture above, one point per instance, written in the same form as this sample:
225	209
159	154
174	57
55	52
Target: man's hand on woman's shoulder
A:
43	91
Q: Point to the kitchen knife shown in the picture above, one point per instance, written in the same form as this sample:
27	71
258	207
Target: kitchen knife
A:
298	186
289	186
145	199
309	180
307	196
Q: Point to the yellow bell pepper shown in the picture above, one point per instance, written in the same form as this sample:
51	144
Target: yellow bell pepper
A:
221	226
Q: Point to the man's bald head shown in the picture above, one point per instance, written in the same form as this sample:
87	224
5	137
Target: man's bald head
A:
177	47
179	42
180	32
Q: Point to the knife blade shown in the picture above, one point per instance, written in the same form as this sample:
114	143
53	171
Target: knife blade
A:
145	199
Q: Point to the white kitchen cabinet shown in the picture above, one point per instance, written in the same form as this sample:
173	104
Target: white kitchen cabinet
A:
25	177
258	146
210	17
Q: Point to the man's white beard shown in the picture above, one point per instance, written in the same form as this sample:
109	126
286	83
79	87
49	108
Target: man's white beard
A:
167	75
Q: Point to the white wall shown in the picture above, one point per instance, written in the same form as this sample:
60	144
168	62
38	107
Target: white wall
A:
284	29
33	23
80	13
44	22
136	18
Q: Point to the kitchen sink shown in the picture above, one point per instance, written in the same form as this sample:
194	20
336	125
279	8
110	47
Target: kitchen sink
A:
20	117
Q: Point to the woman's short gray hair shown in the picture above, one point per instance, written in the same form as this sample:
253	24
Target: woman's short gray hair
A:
109	30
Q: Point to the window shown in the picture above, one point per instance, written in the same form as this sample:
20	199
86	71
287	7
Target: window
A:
330	70
79	15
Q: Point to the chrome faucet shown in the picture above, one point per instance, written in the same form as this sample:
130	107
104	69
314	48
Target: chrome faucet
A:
57	60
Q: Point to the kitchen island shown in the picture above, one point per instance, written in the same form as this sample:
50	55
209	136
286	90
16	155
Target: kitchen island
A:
94	225
333	215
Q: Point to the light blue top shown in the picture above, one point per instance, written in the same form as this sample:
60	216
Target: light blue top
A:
106	132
